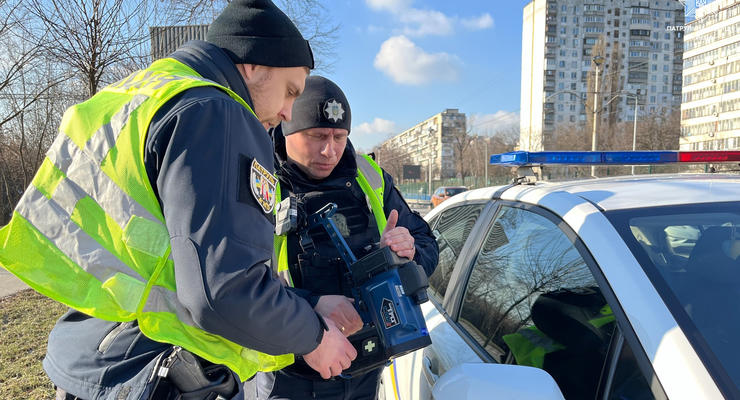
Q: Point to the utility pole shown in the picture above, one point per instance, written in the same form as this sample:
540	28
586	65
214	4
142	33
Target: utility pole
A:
597	60
634	128
485	162
429	173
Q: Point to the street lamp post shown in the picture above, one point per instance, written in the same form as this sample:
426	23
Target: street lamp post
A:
597	60
429	176
485	162
634	128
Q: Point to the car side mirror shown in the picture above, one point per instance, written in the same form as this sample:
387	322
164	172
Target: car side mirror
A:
500	381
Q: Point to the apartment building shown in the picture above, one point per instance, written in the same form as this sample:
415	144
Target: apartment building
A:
710	112
430	142
641	45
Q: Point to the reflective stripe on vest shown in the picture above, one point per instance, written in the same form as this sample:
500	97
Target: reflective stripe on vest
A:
530	345
89	231
370	179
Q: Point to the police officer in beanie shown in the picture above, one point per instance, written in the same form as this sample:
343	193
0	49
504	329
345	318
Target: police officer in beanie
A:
317	164
154	209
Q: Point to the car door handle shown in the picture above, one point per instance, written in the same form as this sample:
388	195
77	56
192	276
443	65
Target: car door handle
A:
430	370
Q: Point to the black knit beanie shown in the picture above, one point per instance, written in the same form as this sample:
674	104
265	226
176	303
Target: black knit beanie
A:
321	105
257	32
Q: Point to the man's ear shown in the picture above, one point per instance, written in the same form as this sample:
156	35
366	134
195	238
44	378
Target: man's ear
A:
247	71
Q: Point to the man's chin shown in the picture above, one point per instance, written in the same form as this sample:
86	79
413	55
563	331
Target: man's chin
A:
270	124
319	174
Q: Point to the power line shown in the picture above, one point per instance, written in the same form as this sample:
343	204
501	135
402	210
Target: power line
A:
493	119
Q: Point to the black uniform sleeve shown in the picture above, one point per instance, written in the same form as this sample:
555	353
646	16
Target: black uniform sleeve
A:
201	149
427	251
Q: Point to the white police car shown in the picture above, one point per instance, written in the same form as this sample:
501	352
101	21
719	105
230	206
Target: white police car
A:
610	288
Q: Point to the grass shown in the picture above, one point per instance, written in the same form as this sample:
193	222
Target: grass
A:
25	321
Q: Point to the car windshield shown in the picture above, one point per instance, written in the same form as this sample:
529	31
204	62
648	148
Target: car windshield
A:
454	191
691	254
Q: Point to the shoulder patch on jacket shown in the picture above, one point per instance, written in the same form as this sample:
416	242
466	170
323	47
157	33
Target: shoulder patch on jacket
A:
256	180
263	185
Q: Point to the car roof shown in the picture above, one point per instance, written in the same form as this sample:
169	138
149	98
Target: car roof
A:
622	192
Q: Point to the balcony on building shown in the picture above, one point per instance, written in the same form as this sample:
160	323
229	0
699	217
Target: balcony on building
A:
640	12
550	84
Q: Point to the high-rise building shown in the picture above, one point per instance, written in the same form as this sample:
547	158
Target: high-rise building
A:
431	142
641	43
710	112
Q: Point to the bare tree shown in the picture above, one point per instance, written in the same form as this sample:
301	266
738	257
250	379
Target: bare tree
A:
310	16
93	37
391	159
460	140
478	154
36	111
22	55
312	19
659	131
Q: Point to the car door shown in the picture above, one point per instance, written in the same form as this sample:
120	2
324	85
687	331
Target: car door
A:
529	282
411	376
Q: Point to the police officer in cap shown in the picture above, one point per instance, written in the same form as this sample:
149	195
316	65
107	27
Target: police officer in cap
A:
317	164
152	217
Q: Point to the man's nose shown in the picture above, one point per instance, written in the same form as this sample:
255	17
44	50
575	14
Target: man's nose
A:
287	111
328	150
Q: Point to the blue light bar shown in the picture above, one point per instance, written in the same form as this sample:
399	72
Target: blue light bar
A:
521	158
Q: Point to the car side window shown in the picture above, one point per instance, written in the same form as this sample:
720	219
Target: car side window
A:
452	229
628	381
531	300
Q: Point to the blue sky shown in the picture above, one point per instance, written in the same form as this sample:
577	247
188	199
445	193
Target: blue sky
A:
402	61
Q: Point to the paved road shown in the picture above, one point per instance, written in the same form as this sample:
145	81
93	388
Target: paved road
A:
9	284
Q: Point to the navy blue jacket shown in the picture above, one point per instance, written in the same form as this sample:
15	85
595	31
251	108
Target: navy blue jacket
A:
196	149
427	250
342	178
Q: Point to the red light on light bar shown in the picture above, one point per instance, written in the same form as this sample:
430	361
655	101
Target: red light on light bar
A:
708	156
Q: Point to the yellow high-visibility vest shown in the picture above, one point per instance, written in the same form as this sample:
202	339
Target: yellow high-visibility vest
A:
89	231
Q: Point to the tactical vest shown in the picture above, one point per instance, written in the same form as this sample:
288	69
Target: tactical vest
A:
89	231
370	179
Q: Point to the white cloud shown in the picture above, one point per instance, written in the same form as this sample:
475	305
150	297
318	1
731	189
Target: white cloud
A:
394	6
485	21
416	22
500	120
409	64
425	22
379	127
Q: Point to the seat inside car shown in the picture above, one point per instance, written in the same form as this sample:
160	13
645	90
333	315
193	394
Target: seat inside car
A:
577	319
711	284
